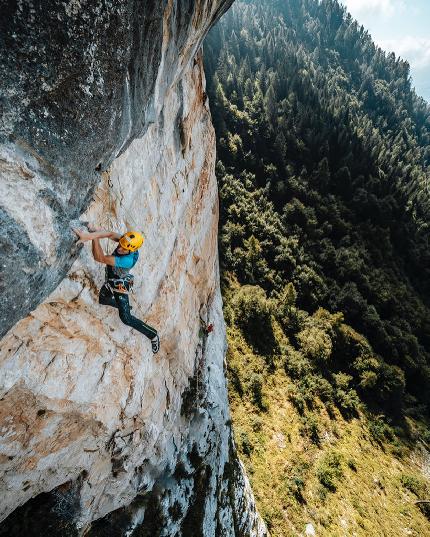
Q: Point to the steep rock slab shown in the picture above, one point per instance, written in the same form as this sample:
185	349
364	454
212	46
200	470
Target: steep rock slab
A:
80	80
98	435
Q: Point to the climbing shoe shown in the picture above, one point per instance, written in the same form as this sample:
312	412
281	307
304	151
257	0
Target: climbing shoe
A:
155	342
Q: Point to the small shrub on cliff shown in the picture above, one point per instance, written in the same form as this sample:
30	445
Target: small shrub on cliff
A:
330	471
296	486
319	335
296	364
380	430
346	397
235	379
392	387
310	428
296	399
285	306
315	343
420	488
252	312
256	386
245	443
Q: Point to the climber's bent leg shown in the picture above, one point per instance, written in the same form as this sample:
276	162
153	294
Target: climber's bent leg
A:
128	319
106	297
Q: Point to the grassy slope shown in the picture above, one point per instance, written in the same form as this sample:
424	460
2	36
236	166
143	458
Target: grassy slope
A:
372	497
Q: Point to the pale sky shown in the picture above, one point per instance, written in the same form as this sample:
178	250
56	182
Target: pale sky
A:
401	26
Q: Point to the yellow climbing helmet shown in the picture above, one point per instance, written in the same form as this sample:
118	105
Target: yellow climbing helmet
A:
132	240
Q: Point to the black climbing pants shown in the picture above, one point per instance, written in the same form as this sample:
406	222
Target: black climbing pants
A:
120	301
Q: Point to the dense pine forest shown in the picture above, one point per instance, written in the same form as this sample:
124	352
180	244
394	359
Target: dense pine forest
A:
324	177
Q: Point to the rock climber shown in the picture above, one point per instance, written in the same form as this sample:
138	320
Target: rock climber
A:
119	281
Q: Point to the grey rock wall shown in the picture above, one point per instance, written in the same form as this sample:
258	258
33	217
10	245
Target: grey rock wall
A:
80	80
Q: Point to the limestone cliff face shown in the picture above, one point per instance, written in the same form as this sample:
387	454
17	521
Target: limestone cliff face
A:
80	80
98	436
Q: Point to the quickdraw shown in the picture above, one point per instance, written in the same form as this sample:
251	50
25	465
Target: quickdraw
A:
206	328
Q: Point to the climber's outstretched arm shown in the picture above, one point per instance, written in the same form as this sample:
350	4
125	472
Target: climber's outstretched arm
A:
97	234
97	250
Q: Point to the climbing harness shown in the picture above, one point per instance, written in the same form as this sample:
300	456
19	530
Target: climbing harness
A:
121	285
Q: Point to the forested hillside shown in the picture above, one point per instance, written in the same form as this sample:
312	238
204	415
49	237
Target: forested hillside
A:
324	173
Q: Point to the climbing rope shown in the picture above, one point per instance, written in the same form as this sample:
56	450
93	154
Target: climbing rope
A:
113	195
110	211
110	224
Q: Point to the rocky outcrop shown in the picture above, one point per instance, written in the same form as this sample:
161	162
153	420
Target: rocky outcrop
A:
98	435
